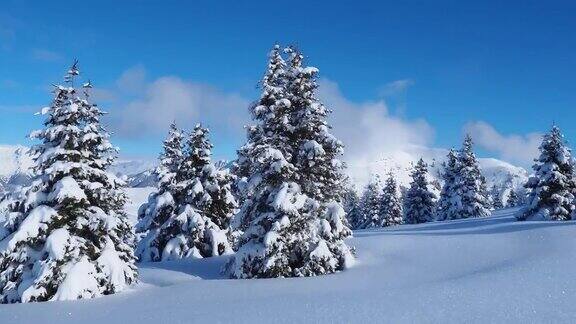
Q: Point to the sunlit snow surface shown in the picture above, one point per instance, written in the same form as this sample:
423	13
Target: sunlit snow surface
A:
466	271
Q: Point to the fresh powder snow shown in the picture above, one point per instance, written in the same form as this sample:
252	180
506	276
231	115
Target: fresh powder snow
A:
448	272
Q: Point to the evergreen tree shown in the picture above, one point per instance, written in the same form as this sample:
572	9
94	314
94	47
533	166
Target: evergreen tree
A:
66	236
496	196
352	207
269	113
371	204
317	159
320	170
513	199
391	203
553	184
472	184
161	204
470	196
419	200
204	204
295	223
449	202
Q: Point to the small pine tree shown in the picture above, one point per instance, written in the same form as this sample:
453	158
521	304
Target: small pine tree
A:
553	184
204	204
352	206
162	203
371	204
419	200
449	202
391	203
66	236
471	185
496	197
513	199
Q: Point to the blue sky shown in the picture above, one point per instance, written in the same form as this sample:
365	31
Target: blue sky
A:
509	64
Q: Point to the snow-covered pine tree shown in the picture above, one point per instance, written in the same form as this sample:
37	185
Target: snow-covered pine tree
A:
513	199
273	206
471	184
553	184
370	205
269	114
320	171
391	203
161	204
351	204
496	196
66	236
449	202
419	200
296	220
198	226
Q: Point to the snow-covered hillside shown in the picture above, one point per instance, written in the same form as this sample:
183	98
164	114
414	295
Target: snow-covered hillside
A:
15	164
497	172
492	270
136	197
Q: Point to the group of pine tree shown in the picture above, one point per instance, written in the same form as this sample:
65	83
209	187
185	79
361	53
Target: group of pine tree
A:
463	195
284	208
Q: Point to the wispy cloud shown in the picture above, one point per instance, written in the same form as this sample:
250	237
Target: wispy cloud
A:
395	88
372	134
396	93
514	148
42	54
141	108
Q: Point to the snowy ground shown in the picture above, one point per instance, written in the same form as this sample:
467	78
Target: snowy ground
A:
473	271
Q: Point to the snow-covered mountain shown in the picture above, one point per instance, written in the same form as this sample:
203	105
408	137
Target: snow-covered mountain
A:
16	163
497	172
15	166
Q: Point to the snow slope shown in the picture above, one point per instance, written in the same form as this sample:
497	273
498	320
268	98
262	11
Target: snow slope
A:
467	271
497	172
136	197
15	166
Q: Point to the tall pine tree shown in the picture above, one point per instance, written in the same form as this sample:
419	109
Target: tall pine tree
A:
553	184
292	211
66	236
419	200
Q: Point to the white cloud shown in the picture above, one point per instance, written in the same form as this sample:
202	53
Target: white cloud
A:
521	149
372	135
376	141
142	108
395	88
132	80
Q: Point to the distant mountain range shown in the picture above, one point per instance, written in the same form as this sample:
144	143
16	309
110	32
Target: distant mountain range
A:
15	164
